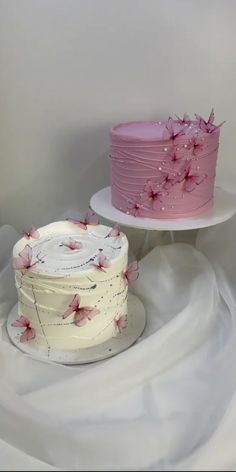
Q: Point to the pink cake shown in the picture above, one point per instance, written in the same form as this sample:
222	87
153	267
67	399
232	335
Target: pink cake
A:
164	169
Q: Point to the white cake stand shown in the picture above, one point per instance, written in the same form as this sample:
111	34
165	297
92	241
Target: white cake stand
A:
224	208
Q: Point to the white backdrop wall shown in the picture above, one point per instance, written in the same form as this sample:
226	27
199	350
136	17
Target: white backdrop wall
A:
72	68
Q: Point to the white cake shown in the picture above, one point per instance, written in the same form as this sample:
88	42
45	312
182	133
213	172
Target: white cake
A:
69	266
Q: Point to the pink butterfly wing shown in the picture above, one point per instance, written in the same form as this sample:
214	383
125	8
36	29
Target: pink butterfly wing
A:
26	255
21	322
178	118
168	131
103	261
26	235
183	172
170	125
80	319
122	322
186	118
68	312
88	312
75	245
79	223
215	127
72	244
198	117
200	178
203	126
91	218
73	306
28	334
18	263
157	200
169	183
131	272
115	232
211	118
34	233
75	302
190	184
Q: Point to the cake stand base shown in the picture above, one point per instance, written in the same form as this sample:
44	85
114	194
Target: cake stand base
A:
136	325
223	209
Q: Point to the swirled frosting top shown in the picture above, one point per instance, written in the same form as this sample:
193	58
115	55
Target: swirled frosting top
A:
64	249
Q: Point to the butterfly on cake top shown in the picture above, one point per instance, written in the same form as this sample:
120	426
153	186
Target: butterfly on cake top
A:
164	169
72	279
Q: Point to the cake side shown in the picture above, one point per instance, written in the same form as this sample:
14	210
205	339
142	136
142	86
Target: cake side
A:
75	291
163	169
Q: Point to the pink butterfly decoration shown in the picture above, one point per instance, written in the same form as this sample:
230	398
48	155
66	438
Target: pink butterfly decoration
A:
24	261
29	332
102	263
185	120
169	180
89	219
153	194
131	273
174	158
121	322
81	314
134	208
115	232
72	244
191	181
197	146
173	132
32	233
208	126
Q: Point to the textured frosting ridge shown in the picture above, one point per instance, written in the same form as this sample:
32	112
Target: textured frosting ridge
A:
61	273
156	173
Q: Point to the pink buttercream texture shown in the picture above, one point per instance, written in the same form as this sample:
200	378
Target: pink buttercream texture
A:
157	176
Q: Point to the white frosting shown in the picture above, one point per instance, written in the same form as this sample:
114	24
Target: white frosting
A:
60	273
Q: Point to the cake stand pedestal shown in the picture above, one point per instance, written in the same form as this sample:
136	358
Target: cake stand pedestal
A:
224	208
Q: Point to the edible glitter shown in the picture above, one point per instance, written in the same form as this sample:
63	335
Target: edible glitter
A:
162	208
127	212
159	168
185	146
160	122
172	206
165	149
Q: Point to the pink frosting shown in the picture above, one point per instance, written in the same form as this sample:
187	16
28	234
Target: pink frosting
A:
157	176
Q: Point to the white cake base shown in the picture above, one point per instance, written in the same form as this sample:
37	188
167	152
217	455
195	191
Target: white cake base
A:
136	325
224	208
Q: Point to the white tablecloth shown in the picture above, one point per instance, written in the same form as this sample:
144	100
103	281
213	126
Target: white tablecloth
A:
168	403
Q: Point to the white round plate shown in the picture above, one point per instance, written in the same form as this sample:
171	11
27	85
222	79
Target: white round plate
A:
125	339
224	208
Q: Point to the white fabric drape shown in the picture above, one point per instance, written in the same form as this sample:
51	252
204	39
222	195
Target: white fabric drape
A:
167	403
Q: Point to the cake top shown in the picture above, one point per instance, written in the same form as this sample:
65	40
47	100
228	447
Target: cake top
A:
65	248
165	130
